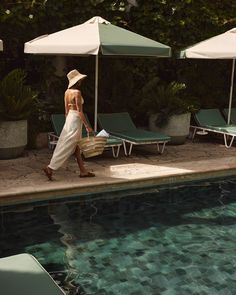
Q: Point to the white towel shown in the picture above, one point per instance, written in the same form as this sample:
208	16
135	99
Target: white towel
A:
103	133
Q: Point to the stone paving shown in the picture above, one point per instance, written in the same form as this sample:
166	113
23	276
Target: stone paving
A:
22	179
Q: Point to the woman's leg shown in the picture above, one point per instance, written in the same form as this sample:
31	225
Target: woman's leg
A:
48	171
83	171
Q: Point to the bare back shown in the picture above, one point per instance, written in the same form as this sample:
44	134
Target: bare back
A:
73	100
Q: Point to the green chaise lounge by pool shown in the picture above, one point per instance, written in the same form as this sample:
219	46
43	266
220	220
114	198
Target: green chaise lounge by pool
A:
211	120
232	115
58	121
122	126
22	274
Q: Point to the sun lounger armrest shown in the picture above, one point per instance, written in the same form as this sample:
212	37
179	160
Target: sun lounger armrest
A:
52	139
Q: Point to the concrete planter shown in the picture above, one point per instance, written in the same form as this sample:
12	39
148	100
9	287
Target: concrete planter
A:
177	127
41	140
13	138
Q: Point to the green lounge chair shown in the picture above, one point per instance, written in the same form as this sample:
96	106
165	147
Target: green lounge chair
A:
58	121
22	274
232	115
211	120
122	126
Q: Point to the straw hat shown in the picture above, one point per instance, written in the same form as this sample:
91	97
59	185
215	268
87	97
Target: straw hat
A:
74	76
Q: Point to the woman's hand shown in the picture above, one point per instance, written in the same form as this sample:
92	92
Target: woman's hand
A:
89	129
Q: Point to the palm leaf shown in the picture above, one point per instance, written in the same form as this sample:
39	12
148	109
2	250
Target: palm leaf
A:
16	97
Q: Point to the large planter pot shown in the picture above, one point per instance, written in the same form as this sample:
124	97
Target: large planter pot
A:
177	127
13	138
41	140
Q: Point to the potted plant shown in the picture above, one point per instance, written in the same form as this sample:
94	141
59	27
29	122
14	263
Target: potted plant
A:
169	108
16	101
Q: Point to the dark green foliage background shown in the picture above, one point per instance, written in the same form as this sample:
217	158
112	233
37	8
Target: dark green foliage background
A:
175	23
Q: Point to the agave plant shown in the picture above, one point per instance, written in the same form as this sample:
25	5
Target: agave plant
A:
16	98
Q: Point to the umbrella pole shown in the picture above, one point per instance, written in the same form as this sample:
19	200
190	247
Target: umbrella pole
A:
231	92
96	95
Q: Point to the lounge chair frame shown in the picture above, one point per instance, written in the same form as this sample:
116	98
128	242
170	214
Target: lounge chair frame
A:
226	135
211	120
53	138
160	145
115	149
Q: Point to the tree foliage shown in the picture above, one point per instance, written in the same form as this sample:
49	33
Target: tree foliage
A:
175	23
16	98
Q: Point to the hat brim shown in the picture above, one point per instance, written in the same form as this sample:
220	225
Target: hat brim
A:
74	80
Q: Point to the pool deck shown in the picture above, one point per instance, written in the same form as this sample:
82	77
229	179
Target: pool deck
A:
22	179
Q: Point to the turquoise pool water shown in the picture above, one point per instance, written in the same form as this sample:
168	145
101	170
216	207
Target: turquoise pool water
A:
166	240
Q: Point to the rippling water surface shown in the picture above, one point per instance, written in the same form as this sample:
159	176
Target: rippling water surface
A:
166	240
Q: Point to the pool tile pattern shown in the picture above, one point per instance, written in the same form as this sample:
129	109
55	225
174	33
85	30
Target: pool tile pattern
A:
171	240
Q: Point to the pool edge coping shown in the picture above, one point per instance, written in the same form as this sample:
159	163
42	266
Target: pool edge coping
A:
24	197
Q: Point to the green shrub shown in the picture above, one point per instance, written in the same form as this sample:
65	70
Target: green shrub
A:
16	98
166	99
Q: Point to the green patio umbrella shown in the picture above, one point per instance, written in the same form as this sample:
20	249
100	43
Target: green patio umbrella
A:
221	46
97	37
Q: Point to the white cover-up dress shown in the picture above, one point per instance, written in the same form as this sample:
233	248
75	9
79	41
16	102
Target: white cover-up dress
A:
68	140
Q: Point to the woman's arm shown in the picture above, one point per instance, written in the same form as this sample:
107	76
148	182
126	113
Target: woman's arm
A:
66	105
79	107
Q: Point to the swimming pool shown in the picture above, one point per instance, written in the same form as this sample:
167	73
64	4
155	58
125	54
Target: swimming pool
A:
166	240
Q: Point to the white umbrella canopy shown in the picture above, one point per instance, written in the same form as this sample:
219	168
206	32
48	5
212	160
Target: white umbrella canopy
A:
97	36
1	45
78	40
222	46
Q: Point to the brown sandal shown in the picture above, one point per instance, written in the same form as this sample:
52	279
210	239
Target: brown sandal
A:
88	174
47	173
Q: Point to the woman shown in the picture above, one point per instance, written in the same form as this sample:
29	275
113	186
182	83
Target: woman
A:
72	131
